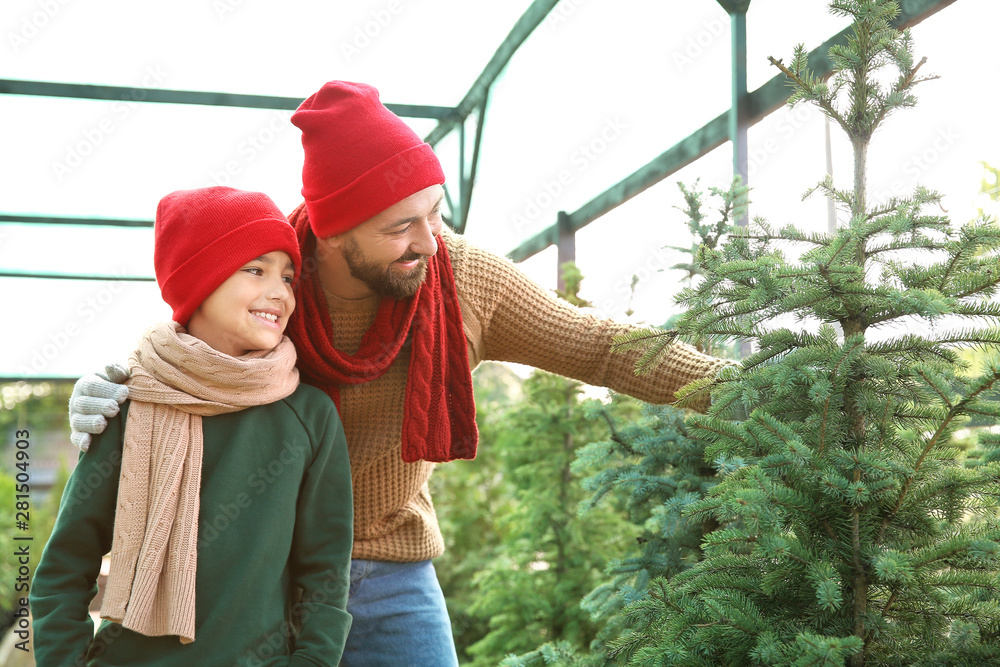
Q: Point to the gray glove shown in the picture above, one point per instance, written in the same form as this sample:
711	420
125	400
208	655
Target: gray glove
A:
95	398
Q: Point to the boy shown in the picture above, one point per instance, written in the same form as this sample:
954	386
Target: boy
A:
225	486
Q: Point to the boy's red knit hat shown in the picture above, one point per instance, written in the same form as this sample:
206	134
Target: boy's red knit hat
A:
360	158
201	237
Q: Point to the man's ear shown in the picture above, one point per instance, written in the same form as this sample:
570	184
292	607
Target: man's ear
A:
331	242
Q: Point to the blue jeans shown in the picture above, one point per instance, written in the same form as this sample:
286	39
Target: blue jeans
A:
399	617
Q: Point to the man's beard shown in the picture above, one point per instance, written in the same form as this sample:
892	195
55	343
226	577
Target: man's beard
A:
383	280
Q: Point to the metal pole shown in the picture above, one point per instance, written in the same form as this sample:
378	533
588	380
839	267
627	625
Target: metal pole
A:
739	113
565	248
831	210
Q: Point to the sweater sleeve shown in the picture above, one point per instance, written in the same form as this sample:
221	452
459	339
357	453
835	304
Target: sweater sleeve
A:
321	548
66	580
523	323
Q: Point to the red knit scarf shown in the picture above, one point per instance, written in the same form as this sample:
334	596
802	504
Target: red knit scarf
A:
439	413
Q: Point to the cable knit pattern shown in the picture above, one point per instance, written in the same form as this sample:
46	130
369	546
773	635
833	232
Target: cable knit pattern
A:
176	379
506	317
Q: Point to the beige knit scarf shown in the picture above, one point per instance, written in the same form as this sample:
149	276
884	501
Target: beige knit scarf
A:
176	380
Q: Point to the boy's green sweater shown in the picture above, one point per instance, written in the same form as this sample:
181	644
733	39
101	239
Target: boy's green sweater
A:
276	516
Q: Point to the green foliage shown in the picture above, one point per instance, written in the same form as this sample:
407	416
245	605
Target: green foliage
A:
42	519
37	406
732	204
572	277
852	531
654	469
537	558
549	557
40	409
558	653
652	466
990	185
8	566
863	99
991	182
648	469
471	496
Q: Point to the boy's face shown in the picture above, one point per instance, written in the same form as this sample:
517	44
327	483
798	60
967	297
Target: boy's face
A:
250	310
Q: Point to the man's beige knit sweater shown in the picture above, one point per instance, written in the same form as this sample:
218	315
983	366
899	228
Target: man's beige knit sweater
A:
507	317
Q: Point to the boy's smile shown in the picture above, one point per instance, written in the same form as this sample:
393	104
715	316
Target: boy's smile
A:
249	311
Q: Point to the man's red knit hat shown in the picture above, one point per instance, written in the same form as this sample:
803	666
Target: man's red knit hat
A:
201	237
360	158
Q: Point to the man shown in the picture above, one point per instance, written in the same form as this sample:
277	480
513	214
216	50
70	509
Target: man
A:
394	313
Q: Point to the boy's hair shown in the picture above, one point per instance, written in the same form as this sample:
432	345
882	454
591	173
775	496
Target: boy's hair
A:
202	236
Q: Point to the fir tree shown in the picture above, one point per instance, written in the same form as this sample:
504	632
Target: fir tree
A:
548	557
649	470
854	533
470	496
651	466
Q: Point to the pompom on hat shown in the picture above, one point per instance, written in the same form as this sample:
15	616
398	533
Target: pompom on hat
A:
360	158
201	237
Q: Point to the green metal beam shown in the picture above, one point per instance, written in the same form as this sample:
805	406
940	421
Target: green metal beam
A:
735	6
448	117
73	276
692	147
51	220
469	176
915	11
164	96
761	102
531	19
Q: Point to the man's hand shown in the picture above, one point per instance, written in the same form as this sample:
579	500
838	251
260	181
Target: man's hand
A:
95	398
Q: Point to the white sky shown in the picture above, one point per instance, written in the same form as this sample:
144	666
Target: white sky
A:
627	78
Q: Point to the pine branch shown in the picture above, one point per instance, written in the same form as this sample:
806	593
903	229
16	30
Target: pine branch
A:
932	442
898	245
810	87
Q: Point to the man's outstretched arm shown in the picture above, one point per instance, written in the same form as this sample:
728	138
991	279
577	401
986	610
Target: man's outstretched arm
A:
524	323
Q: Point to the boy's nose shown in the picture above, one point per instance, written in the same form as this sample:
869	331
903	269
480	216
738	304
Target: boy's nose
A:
278	290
